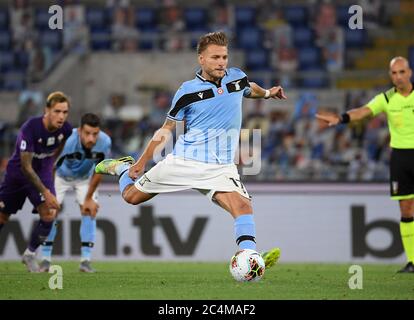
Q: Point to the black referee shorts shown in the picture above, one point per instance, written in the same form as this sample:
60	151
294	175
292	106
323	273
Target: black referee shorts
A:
402	174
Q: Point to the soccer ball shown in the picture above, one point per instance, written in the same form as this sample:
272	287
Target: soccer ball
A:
247	265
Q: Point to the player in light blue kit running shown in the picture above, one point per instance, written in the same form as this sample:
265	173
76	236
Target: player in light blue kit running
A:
203	157
86	146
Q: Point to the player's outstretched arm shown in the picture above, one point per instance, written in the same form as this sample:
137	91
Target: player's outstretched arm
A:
158	141
259	92
27	169
333	119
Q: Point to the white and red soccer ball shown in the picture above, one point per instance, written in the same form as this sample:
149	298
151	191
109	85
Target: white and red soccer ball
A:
247	265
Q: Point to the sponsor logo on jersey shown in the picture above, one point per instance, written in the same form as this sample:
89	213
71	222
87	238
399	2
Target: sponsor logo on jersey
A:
50	141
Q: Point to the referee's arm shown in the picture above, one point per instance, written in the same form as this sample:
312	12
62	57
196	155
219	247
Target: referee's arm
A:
349	116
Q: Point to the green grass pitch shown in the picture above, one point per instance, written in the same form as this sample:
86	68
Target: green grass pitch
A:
204	281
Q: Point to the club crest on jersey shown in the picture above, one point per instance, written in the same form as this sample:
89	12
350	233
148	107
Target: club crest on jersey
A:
50	141
40	140
220	90
60	137
23	145
237	85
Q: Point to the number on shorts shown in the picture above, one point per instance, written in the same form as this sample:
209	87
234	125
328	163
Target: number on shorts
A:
239	184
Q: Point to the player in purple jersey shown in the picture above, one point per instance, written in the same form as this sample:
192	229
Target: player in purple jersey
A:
29	173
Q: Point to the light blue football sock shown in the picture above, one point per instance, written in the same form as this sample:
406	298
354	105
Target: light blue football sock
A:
245	233
47	246
121	168
124	181
88	236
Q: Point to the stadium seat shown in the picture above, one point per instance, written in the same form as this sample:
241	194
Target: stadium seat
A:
355	38
257	59
296	15
41	20
148	40
13	81
195	19
342	15
245	17
51	39
195	36
315	82
4	21
96	17
22	60
309	58
146	19
302	37
100	39
6	61
5	40
411	56
250	38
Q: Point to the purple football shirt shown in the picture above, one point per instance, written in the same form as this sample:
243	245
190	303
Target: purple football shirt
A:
34	137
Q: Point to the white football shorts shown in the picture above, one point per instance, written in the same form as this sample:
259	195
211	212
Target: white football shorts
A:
177	174
80	186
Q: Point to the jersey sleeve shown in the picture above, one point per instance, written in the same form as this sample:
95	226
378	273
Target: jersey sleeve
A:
377	104
247	91
108	147
27	138
244	81
178	104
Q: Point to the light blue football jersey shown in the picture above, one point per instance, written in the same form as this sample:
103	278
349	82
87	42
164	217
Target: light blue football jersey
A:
213	117
76	162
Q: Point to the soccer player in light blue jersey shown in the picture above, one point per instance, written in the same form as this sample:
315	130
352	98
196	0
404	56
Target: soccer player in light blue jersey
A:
210	106
86	146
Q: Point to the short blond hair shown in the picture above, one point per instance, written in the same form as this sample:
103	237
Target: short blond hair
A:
218	38
56	97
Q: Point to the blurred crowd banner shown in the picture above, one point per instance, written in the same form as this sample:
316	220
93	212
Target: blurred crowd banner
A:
309	222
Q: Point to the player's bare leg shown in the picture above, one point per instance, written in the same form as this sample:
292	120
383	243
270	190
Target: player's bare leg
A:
134	196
